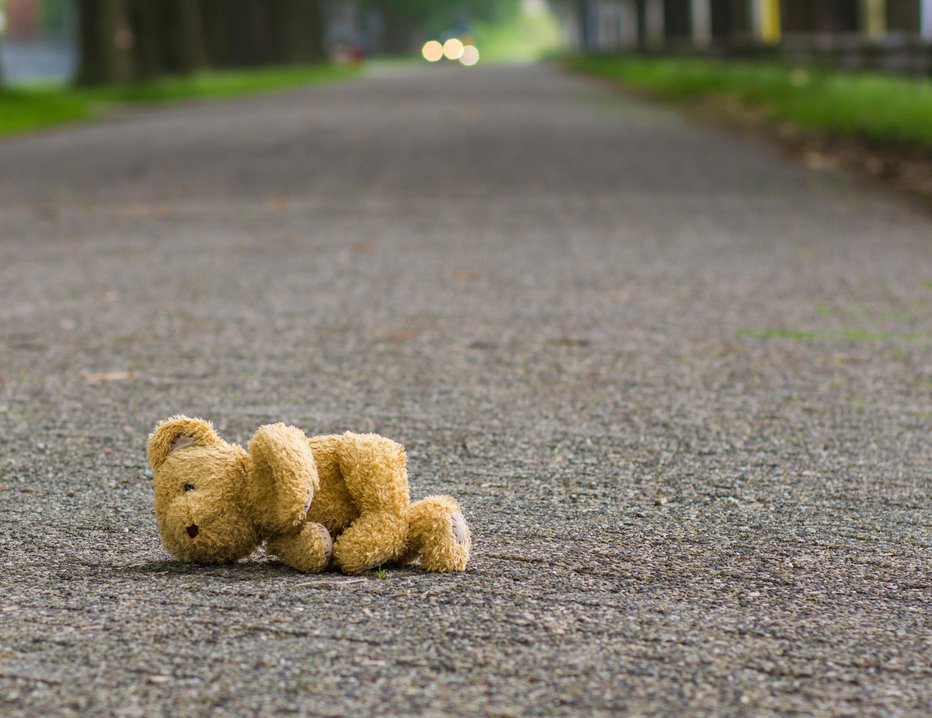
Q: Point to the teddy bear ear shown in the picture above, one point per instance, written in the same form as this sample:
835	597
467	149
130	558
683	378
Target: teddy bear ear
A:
178	433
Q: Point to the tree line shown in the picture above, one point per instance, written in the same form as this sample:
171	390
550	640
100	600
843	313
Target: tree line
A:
140	40
404	22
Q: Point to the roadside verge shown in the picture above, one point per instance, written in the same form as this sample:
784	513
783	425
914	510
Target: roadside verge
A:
30	108
872	123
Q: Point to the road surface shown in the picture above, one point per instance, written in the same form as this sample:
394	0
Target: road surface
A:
681	385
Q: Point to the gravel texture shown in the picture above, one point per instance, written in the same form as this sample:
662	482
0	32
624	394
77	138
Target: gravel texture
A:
682	387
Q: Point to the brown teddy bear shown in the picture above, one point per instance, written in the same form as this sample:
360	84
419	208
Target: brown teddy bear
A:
216	503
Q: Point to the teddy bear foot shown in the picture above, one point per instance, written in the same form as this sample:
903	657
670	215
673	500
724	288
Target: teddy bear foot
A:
375	539
309	550
439	536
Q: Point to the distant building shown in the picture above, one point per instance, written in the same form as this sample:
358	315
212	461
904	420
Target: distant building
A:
351	28
618	24
874	18
38	42
37	20
22	20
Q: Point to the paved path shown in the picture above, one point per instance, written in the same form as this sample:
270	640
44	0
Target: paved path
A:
683	388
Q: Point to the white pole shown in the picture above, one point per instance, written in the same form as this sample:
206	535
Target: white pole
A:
618	23
927	20
756	15
702	22
765	14
600	20
613	24
570	23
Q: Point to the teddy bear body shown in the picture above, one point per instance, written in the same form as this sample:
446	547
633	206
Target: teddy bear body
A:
216	502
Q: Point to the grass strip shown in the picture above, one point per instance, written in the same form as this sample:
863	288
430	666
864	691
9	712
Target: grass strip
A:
23	109
879	107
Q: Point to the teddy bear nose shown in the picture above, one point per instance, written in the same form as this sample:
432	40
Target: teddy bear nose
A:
192	530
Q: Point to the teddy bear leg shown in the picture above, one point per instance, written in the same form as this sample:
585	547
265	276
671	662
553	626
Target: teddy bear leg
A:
438	534
373	469
308	550
372	540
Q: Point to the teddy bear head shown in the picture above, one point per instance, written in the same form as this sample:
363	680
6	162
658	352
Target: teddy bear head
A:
214	501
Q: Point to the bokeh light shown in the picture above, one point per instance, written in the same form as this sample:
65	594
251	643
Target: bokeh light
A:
453	48
432	51
470	55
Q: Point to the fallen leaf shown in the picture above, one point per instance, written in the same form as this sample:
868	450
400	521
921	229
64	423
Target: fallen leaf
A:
92	378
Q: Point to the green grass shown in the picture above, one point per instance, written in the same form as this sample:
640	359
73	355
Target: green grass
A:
879	107
35	108
848	334
378	572
23	109
777	334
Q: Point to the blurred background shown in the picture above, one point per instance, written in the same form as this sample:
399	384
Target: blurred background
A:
113	41
847	82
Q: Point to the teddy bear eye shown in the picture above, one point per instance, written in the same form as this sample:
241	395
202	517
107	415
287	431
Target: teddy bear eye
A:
189	487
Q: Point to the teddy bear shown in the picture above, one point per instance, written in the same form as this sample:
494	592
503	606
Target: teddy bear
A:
312	501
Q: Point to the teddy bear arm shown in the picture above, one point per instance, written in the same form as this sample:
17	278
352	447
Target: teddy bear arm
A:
282	478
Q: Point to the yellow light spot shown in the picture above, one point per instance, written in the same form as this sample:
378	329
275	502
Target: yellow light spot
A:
799	78
470	55
432	51
453	48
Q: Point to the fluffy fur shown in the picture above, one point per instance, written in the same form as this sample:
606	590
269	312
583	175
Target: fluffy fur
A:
215	503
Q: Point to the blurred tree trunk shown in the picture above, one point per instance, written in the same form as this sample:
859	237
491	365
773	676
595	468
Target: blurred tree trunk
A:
286	33
397	30
182	51
145	22
179	36
315	48
98	22
296	32
588	32
246	32
215	32
640	7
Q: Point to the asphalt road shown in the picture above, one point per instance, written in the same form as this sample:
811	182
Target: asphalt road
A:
681	386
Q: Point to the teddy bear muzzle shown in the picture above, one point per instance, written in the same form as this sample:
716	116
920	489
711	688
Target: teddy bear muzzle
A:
197	533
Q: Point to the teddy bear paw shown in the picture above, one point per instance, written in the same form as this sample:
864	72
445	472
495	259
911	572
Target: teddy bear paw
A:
460	531
328	541
309	550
